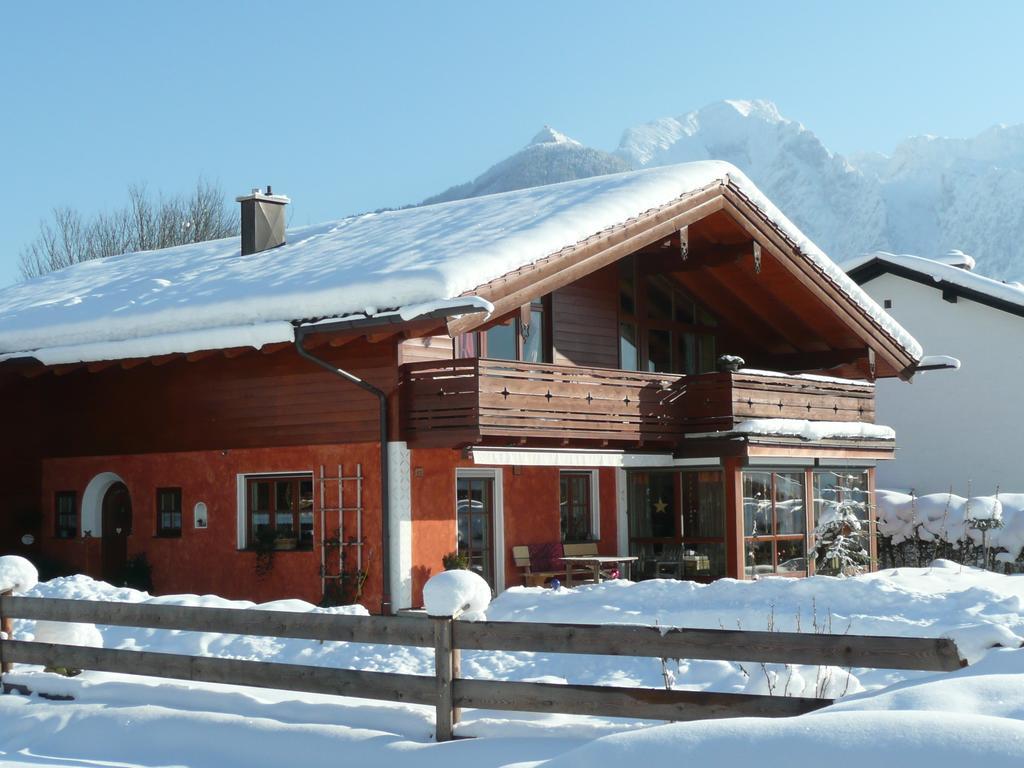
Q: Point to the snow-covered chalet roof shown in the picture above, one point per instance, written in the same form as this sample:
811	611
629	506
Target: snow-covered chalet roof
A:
209	296
941	275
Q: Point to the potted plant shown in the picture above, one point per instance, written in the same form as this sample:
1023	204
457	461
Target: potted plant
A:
455	561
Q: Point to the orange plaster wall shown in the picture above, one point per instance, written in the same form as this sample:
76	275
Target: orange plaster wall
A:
208	561
531	499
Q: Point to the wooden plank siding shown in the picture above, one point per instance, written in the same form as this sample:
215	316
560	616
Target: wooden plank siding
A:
253	400
585	322
469	401
425	348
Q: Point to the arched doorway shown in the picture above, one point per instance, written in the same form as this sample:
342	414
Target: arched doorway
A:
116	527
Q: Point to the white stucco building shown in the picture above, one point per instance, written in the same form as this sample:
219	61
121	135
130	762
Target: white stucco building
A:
953	427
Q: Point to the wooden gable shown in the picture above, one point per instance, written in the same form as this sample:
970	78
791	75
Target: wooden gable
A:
781	307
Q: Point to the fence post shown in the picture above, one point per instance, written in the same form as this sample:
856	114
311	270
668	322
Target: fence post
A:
7	627
443	670
456	673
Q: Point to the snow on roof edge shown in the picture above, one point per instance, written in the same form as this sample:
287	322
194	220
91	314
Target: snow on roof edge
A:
939	272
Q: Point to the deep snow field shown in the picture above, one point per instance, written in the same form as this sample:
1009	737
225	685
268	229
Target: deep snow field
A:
884	717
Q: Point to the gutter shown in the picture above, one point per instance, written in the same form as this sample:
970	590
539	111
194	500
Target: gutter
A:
438	311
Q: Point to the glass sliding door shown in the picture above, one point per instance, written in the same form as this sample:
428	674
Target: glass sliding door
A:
703	552
474	508
677	523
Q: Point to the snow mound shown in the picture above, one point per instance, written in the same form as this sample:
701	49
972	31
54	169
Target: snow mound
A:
68	633
845	740
457	593
17	574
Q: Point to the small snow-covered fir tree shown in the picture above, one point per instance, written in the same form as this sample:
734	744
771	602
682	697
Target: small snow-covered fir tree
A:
839	542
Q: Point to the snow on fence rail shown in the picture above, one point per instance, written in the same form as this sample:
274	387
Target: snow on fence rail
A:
446	690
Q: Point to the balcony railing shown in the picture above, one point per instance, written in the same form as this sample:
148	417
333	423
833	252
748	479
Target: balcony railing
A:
471	401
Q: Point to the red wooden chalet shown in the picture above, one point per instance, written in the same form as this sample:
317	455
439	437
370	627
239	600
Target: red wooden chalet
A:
327	417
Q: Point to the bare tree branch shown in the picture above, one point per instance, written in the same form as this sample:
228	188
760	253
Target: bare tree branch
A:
143	224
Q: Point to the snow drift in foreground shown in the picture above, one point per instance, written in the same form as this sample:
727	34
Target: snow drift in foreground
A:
901	718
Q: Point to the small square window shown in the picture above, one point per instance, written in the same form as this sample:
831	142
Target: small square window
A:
66	515
168	512
888	304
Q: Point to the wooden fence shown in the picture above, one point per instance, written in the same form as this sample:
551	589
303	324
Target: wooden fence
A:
446	690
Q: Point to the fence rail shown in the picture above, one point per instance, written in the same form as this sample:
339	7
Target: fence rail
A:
446	690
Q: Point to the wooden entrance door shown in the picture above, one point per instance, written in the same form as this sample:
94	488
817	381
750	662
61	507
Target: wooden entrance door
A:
474	504
117	525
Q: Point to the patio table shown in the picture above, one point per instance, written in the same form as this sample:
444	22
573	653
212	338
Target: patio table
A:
595	562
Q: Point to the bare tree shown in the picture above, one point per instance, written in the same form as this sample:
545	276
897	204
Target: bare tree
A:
145	223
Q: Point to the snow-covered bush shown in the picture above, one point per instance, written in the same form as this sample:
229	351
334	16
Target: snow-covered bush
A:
915	530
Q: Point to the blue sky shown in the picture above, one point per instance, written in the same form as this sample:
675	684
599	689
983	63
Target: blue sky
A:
348	107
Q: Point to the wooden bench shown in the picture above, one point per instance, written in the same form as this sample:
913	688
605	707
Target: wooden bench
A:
538	578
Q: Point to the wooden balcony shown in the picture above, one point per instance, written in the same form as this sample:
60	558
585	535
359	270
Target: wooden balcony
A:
715	402
480	401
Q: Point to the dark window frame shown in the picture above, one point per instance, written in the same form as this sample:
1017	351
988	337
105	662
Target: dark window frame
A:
175	512
568	500
295	480
61	516
475	343
705	329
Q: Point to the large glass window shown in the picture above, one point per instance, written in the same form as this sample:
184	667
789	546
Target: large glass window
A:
775	523
842	522
703	551
629	354
576	507
661	328
526	337
283	506
677	524
501	342
652	505
533	334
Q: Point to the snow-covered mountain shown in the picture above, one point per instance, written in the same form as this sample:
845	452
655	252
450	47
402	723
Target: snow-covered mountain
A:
549	158
929	196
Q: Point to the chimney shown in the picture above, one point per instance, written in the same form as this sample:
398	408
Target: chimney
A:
262	220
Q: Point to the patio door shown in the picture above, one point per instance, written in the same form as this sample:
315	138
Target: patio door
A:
677	523
475	510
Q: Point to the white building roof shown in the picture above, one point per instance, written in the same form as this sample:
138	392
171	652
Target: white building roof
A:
209	296
942	275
